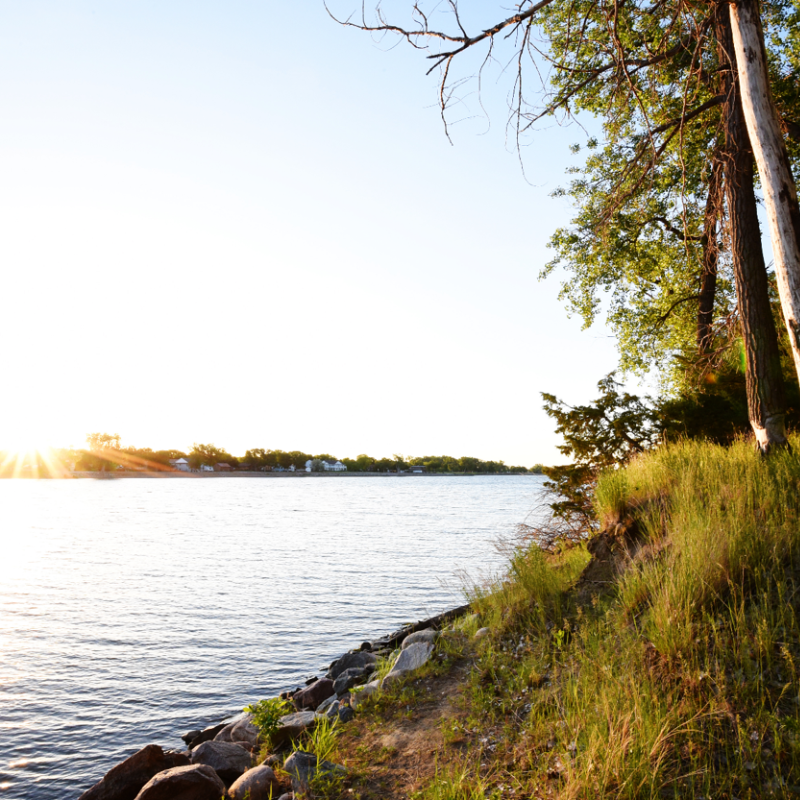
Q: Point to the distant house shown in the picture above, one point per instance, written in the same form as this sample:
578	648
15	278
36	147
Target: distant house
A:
416	469
181	464
328	464
222	467
206	468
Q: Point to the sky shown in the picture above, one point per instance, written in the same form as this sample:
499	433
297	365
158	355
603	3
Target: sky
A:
243	224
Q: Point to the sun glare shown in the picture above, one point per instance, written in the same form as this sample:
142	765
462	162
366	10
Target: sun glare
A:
26	460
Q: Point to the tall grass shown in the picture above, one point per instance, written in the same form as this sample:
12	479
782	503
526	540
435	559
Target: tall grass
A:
682	680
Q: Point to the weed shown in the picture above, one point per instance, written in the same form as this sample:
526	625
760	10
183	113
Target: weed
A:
267	715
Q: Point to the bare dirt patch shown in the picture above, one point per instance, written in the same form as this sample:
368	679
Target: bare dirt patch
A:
393	747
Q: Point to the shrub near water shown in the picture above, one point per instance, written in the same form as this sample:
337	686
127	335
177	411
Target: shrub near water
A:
681	680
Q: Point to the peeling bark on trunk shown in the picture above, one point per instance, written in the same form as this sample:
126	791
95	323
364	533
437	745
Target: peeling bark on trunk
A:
708	280
780	192
766	400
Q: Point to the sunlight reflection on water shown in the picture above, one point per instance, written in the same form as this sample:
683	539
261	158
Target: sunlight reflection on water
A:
132	610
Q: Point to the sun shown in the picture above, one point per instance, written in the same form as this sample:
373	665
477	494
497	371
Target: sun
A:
24	459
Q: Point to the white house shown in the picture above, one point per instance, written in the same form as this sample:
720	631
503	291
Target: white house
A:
181	464
328	464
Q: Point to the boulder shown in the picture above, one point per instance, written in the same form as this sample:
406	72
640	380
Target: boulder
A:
195	782
429	635
258	783
345	714
206	735
481	632
176	758
348	679
287	796
125	780
242	732
292	725
326	703
361	659
410	659
303	767
356	698
310	697
331	710
190	736
228	760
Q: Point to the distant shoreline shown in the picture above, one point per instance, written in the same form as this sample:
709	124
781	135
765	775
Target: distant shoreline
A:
118	474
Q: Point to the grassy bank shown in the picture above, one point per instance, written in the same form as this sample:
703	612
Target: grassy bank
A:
669	670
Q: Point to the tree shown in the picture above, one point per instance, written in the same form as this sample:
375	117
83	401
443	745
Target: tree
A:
649	71
209	455
103	447
772	157
603	434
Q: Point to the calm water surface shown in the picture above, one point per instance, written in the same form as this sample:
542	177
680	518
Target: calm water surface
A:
132	610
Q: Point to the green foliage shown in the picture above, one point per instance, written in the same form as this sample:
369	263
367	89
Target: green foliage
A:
267	714
209	455
602	434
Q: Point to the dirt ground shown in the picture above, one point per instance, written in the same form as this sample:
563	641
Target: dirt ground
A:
392	749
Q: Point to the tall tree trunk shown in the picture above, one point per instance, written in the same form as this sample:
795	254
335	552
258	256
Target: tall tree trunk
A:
766	400
780	192
708	280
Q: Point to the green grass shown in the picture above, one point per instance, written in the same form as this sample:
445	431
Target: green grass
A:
682	680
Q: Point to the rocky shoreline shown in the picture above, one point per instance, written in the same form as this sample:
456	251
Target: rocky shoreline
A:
221	760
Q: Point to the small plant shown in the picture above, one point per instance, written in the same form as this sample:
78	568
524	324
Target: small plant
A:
322	740
267	714
385	663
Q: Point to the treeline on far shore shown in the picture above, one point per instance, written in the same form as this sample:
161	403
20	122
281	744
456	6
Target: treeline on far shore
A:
105	453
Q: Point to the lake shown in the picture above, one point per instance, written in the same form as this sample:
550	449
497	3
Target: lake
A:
133	610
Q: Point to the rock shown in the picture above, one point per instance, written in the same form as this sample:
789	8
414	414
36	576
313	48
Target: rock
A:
190	736
292	725
258	783
361	659
428	635
228	760
207	734
195	782
366	646
348	679
313	695
345	714
311	680
410	659
331	711
356	698
175	758
243	733
125	780
303	768
326	704
287	796
272	761
481	632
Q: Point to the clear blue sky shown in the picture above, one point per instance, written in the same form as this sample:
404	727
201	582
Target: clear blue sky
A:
241	223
